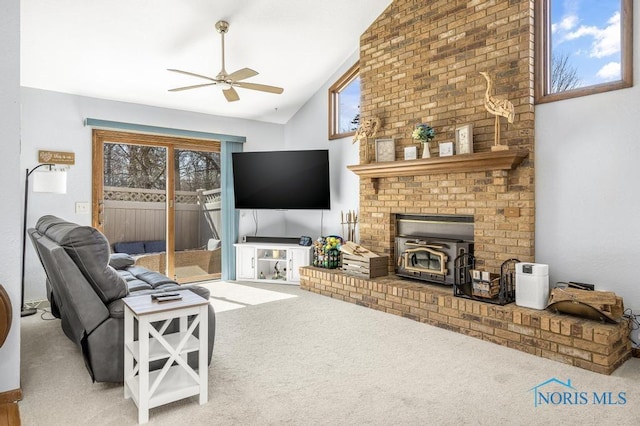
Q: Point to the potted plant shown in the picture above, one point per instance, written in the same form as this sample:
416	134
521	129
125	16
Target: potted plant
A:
424	133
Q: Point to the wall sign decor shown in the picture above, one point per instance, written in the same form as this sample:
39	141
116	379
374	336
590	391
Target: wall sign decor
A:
385	150
57	157
464	139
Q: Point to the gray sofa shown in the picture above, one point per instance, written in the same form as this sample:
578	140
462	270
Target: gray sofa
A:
86	285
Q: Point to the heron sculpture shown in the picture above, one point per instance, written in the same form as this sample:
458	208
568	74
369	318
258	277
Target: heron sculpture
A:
367	129
499	108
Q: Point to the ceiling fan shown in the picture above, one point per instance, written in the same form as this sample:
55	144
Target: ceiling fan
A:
228	81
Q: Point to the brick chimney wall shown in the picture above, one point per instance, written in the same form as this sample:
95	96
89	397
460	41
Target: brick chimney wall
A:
420	63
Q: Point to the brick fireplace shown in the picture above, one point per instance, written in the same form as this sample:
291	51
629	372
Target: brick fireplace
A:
420	63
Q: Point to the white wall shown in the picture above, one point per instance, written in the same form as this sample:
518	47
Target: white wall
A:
587	198
54	121
308	130
10	217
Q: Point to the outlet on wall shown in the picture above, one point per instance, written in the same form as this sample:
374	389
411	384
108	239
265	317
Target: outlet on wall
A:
83	207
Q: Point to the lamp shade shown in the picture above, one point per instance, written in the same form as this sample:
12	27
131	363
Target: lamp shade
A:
50	181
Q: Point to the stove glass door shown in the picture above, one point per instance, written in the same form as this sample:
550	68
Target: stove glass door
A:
425	259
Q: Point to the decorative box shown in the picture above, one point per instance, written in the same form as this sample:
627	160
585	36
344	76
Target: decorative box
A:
358	261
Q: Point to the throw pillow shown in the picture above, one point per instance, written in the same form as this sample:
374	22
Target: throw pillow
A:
121	260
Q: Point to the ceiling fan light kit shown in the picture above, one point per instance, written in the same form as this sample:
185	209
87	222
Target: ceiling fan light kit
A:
225	81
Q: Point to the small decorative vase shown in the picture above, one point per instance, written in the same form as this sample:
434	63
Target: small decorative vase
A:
425	150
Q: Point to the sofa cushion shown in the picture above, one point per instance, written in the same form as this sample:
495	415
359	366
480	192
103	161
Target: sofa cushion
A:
133	283
126	275
131	247
155	246
89	249
153	278
121	260
136	285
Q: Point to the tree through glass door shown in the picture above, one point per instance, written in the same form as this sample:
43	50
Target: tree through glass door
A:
167	218
197	215
133	215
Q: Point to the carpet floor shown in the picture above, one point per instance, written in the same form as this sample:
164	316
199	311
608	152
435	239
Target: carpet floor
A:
286	356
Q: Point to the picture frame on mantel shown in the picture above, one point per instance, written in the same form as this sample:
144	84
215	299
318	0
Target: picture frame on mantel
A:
385	150
410	153
464	139
446	149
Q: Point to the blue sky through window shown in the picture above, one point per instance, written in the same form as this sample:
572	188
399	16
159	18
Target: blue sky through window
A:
349	106
588	31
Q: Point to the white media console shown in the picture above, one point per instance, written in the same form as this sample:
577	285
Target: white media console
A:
271	262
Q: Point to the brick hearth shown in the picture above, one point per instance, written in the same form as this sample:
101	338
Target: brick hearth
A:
571	340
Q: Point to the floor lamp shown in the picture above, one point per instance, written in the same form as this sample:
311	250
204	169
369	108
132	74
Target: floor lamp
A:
50	181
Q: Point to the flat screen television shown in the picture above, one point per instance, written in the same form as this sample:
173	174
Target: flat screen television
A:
281	180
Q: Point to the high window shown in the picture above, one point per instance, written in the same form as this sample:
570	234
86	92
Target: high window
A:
344	104
582	47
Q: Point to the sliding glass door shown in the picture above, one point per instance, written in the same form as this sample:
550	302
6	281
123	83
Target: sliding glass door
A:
197	214
158	199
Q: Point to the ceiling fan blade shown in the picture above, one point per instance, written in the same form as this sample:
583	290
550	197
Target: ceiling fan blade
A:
191	73
242	74
178	89
260	87
231	94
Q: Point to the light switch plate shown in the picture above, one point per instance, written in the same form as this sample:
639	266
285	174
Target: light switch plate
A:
83	207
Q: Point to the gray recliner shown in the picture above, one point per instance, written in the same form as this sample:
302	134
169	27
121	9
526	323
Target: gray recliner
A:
86	285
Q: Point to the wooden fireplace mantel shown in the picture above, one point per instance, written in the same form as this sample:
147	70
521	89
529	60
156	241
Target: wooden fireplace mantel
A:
483	161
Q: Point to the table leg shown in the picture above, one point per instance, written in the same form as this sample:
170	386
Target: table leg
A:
143	367
203	353
184	325
128	356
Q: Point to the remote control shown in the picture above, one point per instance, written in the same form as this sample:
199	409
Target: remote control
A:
157	295
168	298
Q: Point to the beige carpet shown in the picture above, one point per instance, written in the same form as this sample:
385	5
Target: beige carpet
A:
312	360
226	296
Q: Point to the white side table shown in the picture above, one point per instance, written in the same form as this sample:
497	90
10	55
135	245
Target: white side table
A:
171	382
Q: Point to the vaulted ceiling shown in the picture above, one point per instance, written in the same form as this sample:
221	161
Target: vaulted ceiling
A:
121	49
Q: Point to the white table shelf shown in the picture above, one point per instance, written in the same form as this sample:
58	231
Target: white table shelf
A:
176	379
177	384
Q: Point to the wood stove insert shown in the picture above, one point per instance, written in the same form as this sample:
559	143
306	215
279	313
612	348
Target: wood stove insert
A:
427	245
